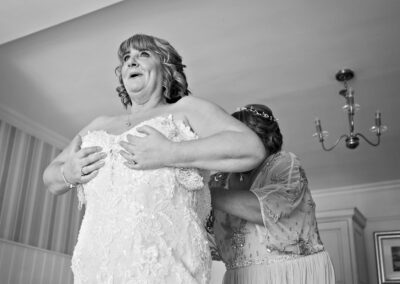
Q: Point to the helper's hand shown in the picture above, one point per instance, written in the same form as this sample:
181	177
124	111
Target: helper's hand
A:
152	151
83	164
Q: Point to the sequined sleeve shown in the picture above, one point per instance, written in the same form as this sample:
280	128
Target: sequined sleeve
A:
280	188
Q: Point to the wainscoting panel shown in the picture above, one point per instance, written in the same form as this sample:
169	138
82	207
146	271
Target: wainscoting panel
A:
23	264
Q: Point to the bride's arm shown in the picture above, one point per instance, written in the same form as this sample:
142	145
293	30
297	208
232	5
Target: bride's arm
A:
225	143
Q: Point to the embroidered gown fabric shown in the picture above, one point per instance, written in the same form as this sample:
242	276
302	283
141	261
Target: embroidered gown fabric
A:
143	226
287	249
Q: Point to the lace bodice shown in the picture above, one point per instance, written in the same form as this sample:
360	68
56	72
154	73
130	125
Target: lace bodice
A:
143	226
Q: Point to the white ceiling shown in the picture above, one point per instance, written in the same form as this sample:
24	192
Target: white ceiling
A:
280	53
21	18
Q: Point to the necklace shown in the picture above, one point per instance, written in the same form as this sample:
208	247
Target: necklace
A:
128	123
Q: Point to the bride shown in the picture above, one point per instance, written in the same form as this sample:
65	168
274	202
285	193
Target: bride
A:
143	176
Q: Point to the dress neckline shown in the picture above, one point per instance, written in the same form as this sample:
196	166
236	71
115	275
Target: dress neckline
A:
164	117
168	116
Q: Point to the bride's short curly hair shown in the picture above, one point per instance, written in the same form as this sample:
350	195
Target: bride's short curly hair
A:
174	82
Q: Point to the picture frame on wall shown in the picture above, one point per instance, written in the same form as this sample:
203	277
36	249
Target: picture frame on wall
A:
387	252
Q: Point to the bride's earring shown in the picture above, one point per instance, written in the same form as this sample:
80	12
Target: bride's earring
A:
240	177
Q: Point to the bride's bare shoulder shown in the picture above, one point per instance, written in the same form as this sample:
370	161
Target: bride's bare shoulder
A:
99	123
191	103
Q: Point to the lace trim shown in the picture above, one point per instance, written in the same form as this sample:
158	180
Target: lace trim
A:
189	178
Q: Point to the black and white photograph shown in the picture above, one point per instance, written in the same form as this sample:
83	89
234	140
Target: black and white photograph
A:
199	142
387	251
396	258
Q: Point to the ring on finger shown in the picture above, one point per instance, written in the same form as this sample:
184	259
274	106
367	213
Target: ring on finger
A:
82	173
132	162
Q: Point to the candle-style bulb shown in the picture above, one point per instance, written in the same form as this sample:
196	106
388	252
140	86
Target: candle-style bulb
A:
378	121
318	125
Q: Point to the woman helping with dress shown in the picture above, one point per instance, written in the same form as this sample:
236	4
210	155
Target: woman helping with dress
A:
143	176
263	224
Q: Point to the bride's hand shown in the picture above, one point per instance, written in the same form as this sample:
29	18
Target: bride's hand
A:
149	152
83	164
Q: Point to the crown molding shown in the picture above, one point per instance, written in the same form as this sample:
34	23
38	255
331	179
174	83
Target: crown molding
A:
29	126
359	188
340	214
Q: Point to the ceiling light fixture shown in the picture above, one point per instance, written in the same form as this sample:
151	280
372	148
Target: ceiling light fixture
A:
352	139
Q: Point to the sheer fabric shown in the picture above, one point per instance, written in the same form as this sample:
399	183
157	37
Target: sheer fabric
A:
287	207
143	226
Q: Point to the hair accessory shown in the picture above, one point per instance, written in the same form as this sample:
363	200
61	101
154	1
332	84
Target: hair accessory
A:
256	112
69	185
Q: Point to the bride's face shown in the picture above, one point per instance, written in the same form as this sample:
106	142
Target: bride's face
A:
142	75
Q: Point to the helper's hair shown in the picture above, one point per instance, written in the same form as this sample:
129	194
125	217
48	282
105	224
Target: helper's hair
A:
261	120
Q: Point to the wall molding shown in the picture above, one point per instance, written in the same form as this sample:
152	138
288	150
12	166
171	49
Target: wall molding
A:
359	188
35	129
384	218
25	246
342	214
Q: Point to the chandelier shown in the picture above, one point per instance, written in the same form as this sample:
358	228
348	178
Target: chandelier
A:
352	139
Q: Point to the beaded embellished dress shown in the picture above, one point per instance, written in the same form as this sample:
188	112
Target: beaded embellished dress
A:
143	226
287	249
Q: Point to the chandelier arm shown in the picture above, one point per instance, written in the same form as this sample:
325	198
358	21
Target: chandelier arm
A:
334	145
369	142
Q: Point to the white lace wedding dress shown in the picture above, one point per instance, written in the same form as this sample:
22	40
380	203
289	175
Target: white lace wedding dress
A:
143	226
